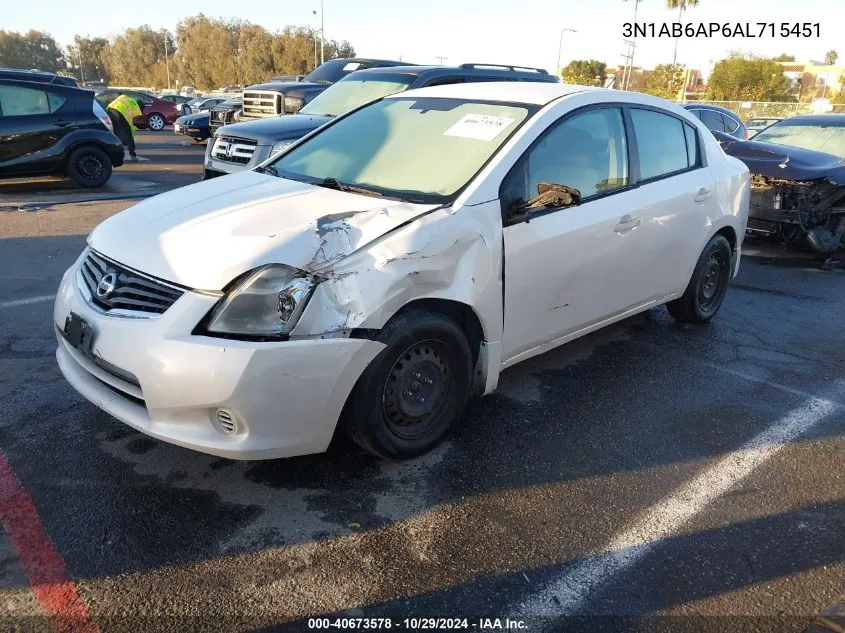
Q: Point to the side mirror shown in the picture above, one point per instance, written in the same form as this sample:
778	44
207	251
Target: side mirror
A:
550	195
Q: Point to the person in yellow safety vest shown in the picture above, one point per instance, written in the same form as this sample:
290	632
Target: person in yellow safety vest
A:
122	111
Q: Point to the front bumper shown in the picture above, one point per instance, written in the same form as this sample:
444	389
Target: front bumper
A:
155	376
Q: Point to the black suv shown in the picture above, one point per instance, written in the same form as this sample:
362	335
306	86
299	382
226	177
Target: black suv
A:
50	129
289	95
248	144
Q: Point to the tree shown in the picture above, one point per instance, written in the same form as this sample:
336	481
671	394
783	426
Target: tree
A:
85	58
33	50
783	57
748	78
830	57
207	50
666	81
585	72
839	97
681	6
131	58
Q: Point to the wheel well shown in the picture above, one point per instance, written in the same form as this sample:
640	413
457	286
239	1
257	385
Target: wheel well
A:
730	235
80	145
462	314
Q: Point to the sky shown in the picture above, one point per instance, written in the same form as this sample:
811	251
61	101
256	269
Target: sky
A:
524	32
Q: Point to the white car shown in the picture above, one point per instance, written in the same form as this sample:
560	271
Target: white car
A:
392	263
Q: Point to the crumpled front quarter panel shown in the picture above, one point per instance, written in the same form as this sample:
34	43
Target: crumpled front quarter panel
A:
452	254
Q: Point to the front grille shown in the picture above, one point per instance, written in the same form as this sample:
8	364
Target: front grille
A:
261	103
233	150
218	118
113	288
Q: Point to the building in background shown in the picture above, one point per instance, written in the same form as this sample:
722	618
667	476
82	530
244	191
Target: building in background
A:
695	86
814	80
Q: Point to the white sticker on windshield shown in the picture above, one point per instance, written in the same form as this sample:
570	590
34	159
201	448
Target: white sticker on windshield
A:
483	127
352	66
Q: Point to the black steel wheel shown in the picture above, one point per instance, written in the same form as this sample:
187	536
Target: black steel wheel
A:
412	392
89	167
708	285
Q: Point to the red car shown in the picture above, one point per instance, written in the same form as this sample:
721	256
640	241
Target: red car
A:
157	112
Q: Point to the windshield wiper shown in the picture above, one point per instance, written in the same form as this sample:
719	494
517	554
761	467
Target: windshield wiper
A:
268	169
334	183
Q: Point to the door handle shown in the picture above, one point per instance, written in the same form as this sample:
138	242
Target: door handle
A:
702	194
61	123
626	224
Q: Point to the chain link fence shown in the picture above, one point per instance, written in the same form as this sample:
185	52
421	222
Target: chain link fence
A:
750	109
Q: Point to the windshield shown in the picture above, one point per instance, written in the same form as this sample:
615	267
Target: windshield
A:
351	92
829	139
421	150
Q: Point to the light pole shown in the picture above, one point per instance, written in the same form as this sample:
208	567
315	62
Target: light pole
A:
559	45
441	58
315	37
322	34
166	60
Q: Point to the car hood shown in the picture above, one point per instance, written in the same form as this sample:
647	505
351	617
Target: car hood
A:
199	118
284	86
789	163
271	130
204	235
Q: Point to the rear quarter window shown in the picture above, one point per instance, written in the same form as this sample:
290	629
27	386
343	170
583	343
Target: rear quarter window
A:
56	101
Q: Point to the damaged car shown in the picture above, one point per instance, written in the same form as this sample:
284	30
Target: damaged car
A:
798	180
382	271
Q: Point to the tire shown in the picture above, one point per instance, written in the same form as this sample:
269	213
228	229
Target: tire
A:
156	122
414	390
706	290
89	167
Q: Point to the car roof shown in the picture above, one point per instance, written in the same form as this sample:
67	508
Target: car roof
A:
465	70
537	93
707	106
834	118
40	76
58	88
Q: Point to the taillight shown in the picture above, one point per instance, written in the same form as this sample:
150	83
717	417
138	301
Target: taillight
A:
101	114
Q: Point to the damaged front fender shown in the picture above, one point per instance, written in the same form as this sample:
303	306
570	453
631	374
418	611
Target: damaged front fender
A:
450	254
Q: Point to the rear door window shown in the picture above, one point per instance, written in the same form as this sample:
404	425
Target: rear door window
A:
17	101
713	120
662	144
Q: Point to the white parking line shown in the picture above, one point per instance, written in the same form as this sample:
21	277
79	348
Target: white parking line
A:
568	594
23	302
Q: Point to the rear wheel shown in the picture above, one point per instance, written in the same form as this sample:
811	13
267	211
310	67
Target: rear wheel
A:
708	285
155	122
411	393
89	167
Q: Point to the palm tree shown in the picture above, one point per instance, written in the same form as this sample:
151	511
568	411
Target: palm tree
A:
681	5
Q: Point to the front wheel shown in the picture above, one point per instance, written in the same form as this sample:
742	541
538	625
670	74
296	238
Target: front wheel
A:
155	122
89	167
708	285
411	393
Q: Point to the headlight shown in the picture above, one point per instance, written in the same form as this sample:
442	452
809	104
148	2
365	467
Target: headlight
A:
267	302
237	115
293	104
280	146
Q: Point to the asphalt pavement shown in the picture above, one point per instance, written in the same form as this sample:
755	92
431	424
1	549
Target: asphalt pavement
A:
649	477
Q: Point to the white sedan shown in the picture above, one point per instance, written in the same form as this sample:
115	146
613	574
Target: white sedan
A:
391	264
